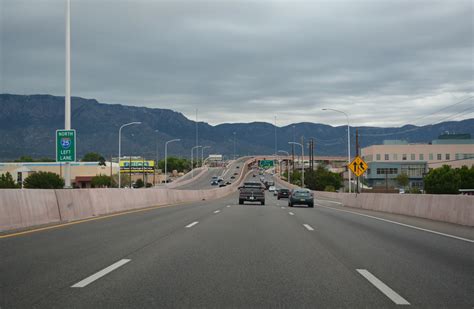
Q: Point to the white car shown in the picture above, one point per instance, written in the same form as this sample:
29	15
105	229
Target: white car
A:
271	188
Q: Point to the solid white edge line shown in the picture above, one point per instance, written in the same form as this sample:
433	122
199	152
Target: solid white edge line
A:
329	201
402	224
191	224
217	211
308	227
382	287
291	214
100	274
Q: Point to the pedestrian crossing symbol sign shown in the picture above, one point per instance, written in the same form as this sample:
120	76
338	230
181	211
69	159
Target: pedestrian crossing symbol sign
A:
358	166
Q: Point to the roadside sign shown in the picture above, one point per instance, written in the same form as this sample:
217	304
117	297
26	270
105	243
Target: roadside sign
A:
65	145
137	166
265	164
358	166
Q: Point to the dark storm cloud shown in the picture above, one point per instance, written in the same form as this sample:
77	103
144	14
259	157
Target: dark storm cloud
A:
384	62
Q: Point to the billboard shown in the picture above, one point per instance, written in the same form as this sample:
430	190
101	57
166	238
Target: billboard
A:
137	166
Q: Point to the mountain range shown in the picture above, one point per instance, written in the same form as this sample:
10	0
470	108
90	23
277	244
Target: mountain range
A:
28	124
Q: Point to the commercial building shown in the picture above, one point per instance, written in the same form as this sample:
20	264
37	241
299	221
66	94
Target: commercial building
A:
81	172
395	157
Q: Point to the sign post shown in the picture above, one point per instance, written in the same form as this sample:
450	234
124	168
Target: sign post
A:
358	166
65	145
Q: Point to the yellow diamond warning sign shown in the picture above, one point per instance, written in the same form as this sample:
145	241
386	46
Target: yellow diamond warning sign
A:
358	166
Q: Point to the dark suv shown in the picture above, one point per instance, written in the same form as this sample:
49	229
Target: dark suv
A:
301	197
283	193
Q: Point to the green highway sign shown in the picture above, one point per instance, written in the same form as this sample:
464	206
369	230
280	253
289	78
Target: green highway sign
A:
65	145
265	164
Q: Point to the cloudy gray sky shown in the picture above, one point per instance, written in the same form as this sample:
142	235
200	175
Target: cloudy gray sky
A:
385	62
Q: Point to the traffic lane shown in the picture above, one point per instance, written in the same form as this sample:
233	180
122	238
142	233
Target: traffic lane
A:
203	181
34	265
427	269
442	227
244	256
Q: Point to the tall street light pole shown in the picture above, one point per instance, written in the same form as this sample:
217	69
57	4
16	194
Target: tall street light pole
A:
166	158
120	148
348	142
287	164
302	166
67	96
192	161
234	145
202	154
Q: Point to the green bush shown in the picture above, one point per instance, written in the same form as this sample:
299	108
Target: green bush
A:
447	180
139	183
330	189
44	180
101	181
7	182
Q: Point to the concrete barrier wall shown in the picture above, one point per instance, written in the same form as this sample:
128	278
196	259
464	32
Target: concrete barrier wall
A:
457	209
198	172
23	208
30	207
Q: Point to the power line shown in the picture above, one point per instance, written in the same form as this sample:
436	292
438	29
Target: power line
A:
433	123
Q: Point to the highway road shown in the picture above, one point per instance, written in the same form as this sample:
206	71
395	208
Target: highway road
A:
221	254
204	181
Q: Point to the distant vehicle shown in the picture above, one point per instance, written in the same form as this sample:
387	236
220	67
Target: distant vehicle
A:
301	197
232	177
268	184
220	179
214	183
271	188
237	166
235	174
401	191
222	185
228	183
254	175
275	192
283	193
214	178
251	192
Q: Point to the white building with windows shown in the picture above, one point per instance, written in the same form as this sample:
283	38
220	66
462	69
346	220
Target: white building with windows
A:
394	157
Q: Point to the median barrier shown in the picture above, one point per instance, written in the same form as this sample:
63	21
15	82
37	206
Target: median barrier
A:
30	207
24	208
180	182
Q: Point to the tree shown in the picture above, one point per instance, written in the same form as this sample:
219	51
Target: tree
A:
467	177
43	180
7	182
93	157
30	159
101	181
443	180
322	178
175	164
402	180
139	183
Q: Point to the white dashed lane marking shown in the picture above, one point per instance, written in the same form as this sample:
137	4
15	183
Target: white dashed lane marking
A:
191	224
100	274
382	287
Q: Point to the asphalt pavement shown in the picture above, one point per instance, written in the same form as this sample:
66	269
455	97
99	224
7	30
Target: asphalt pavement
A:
204	180
218	254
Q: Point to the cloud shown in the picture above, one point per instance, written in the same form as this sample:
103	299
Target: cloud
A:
384	62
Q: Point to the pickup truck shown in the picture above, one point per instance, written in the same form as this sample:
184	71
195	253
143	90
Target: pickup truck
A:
252	192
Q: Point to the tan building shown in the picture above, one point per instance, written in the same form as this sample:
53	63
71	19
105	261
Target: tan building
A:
81	172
